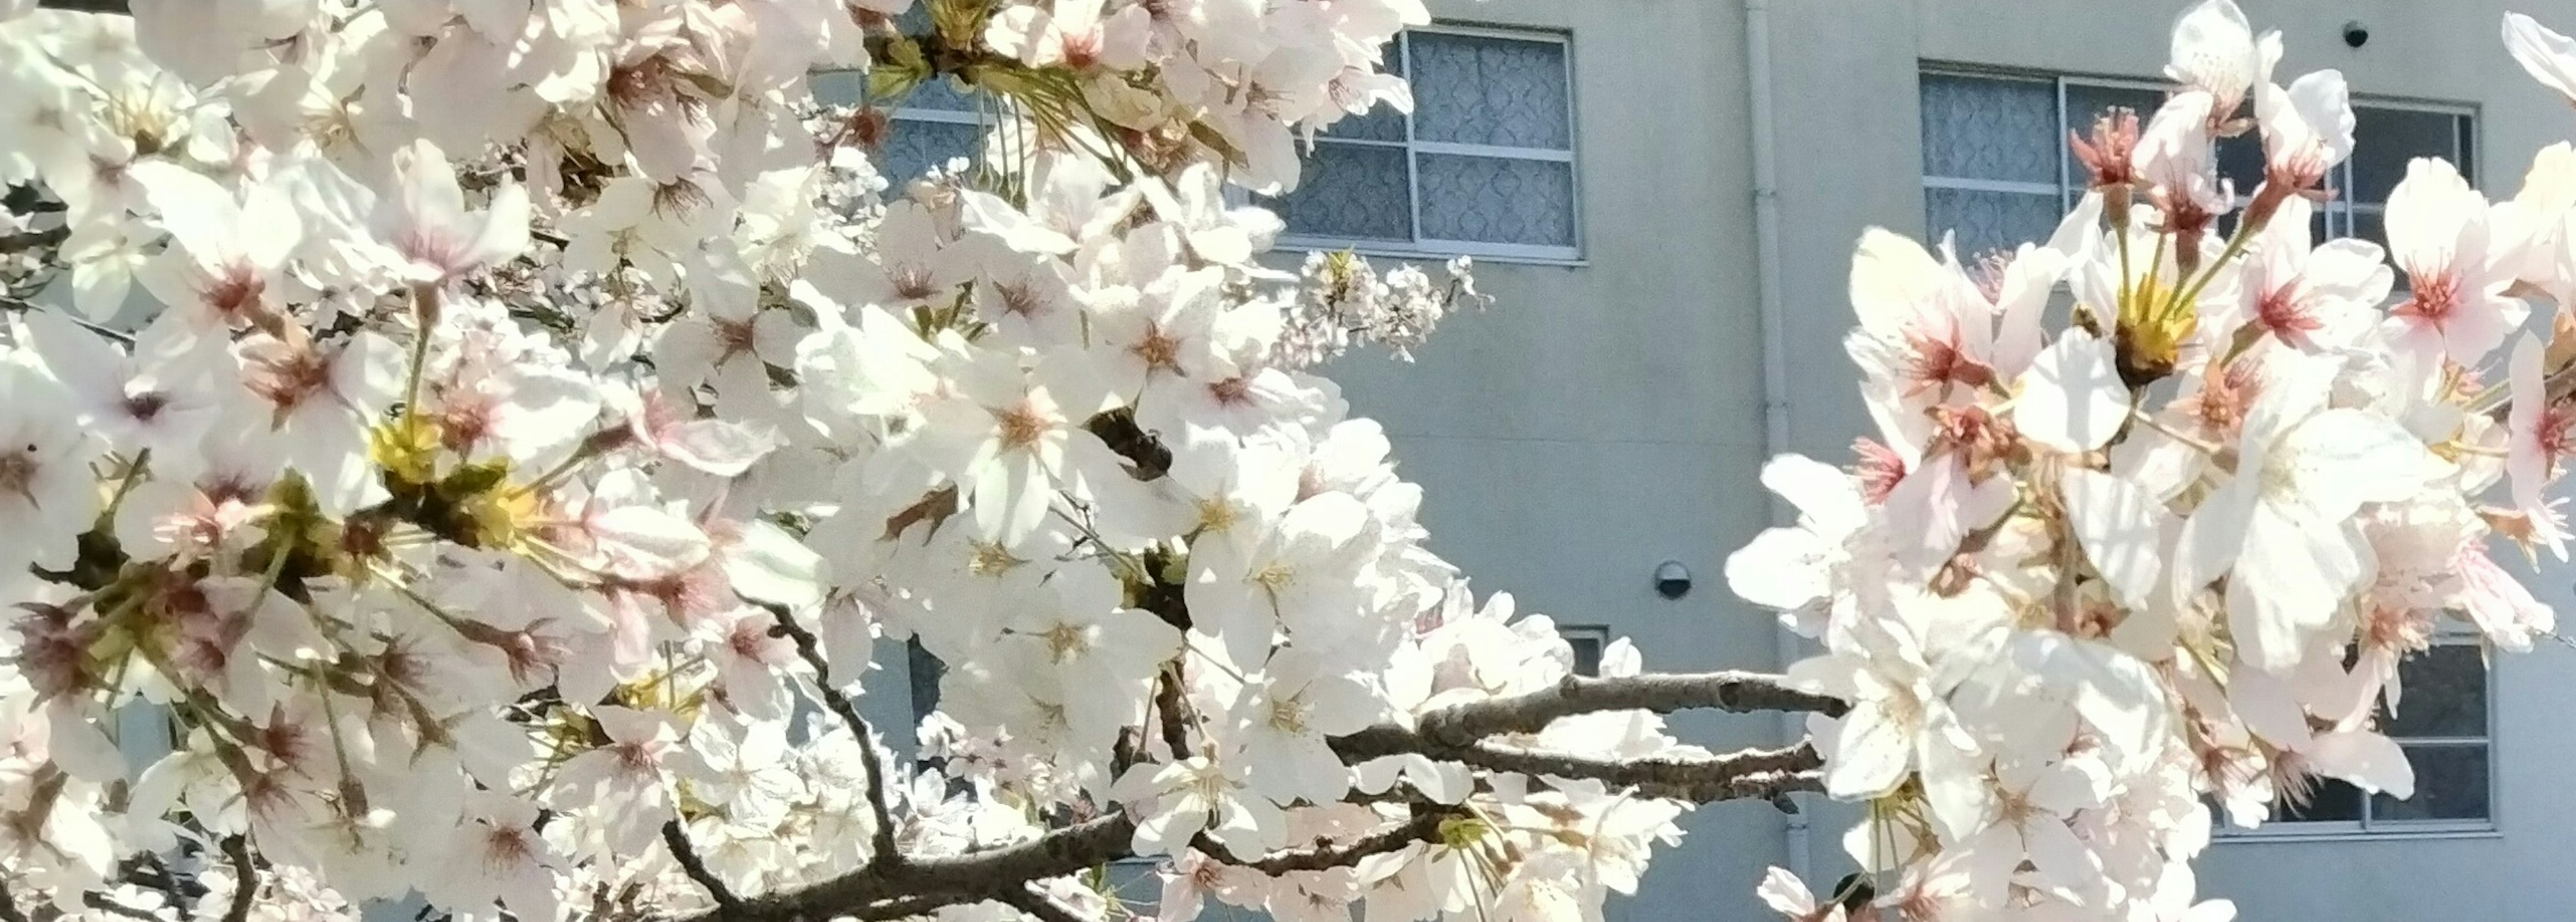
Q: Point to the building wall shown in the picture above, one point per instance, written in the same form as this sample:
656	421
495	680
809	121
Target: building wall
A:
1607	416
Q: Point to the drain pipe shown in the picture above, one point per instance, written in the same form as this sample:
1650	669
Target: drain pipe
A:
1775	341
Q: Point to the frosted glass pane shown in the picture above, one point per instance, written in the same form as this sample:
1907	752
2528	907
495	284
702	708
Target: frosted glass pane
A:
1498	91
1381	122
1350	192
1989	220
939	93
1493	200
843	88
914	146
1984	128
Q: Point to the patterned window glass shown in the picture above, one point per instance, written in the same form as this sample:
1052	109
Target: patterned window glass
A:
935	123
1484	165
1996	172
1990	160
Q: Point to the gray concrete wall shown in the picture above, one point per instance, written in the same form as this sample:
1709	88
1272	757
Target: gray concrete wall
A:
1607	416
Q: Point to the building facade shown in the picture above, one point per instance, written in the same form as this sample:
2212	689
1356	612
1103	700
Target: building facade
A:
1602	160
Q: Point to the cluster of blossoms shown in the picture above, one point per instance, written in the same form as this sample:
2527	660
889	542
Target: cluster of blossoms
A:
485	443
2086	589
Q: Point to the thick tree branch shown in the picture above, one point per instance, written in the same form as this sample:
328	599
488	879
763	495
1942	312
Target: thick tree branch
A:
812	651
1027	899
924	883
86	6
904	908
676	838
1455	728
245	878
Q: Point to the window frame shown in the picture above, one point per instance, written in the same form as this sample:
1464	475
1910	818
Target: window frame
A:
1598	634
2341	213
2365	828
1421	247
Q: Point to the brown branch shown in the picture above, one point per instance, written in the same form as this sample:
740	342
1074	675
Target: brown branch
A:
812	651
903	908
925	883
676	838
1773	786
1769	774
1459	726
100	902
9	911
1679	775
1423	827
1027	899
32	240
1169	703
245	878
918	884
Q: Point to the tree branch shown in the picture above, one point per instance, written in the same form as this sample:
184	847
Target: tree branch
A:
913	885
1423	827
1715	773
812	651
924	883
9	911
1027	899
245	878
100	902
86	6
903	908
676	838
1458	727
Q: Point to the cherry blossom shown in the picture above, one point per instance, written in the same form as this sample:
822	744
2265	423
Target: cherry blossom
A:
547	426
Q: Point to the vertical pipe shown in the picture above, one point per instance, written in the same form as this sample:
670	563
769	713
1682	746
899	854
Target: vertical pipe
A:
1775	343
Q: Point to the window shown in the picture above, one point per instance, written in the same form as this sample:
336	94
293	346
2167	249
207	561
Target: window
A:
934	124
1483	166
1588	642
1996	168
2444	724
924	670
930	126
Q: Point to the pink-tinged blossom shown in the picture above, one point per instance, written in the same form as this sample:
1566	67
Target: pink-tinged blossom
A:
423	219
2437	233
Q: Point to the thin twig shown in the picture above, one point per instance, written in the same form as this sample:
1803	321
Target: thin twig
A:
100	902
1747	773
1463	725
1423	827
812	650
676	838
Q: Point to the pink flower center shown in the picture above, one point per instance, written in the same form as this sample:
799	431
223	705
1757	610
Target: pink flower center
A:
2287	315
2436	296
